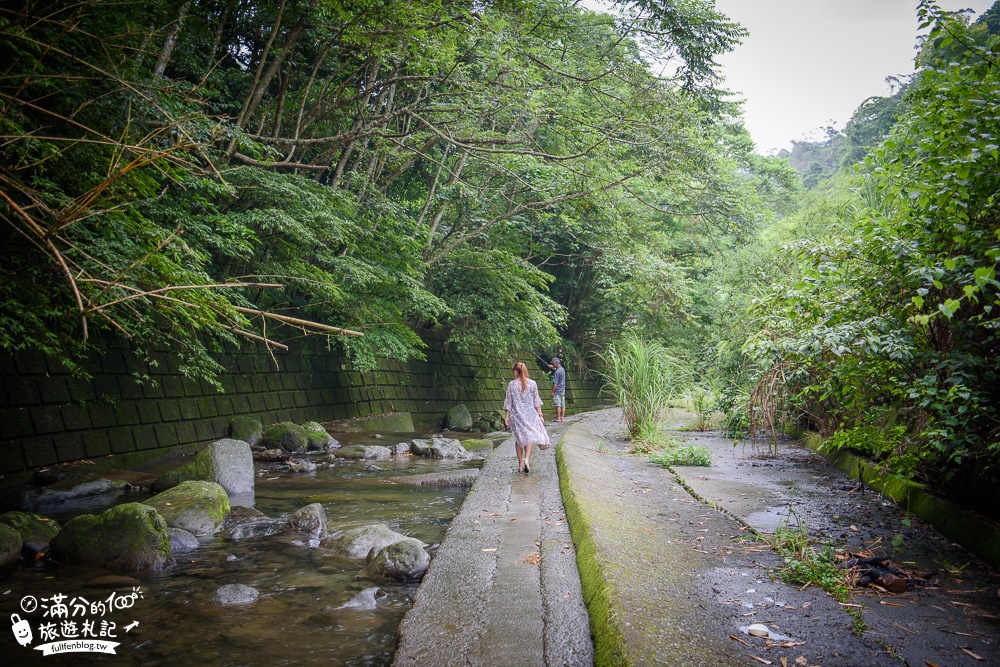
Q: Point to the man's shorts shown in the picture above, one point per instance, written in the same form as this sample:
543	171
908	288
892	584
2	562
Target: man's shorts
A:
559	400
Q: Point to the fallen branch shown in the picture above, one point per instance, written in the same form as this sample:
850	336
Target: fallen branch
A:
296	321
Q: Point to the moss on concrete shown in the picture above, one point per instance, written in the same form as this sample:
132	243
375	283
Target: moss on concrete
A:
609	641
478	445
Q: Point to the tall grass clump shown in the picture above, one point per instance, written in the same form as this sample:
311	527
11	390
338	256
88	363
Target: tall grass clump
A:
643	378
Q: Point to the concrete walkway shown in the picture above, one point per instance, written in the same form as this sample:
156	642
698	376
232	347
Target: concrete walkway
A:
503	588
669	571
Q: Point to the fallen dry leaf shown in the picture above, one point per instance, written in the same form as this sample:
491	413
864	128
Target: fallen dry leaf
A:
801	660
737	639
971	654
532	559
493	549
891	604
957	604
783	661
760	660
930	664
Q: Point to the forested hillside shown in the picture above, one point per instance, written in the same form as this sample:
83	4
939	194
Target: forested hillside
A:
187	172
868	314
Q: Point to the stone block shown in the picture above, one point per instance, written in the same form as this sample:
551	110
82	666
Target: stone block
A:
30	363
223	406
287	399
15	423
173	386
153	390
75	417
69	447
149	412
274	382
207	408
53	389
11	457
95	443
46	420
126	413
39	452
189	409
272	401
21	391
123	440
241	404
170	411
193	388
205	431
166	436
259	383
300	398
244	384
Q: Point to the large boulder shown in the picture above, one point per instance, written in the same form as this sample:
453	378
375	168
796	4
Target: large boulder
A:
245	522
364	452
131	537
405	560
458	418
318	438
227	462
10	547
309	521
439	448
195	506
247	429
359	542
36	531
234	594
286	436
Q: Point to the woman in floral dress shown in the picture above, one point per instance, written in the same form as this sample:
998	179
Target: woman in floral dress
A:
524	415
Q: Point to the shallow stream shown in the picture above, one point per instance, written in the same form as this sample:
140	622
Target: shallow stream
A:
297	619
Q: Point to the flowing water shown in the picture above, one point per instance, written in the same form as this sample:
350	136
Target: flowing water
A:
297	619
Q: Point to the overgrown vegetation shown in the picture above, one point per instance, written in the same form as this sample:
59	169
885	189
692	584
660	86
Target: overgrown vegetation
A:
677	454
870	314
807	564
643	378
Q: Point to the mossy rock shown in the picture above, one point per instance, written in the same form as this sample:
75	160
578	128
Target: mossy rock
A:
458	418
497	437
31	527
318	439
131	537
195	506
10	547
247	429
360	542
405	560
227	462
286	436
479	446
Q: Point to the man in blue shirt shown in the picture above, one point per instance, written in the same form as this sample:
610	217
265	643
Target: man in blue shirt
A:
558	389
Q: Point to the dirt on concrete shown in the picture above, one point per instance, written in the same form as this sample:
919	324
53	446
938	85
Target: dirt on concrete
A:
680	572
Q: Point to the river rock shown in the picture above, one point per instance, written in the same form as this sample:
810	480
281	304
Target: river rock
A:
481	425
364	452
271	455
478	446
227	462
196	506
310	520
359	542
10	547
365	600
247	429
75	486
245	522
458	418
301	466
457	479
131	537
36	531
182	540
234	594
286	436
400	449
318	438
405	560
439	448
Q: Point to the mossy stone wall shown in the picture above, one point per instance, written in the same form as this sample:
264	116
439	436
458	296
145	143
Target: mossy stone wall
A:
48	417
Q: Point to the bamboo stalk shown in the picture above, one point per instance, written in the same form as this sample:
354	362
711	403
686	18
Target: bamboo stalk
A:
302	323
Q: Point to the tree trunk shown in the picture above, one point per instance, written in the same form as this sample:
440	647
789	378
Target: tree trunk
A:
168	46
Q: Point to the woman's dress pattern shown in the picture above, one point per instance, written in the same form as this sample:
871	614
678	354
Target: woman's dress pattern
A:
527	427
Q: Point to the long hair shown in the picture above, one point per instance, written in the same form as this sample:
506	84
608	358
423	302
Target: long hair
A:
521	373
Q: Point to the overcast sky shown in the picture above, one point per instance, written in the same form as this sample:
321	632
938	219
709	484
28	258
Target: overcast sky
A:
808	62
